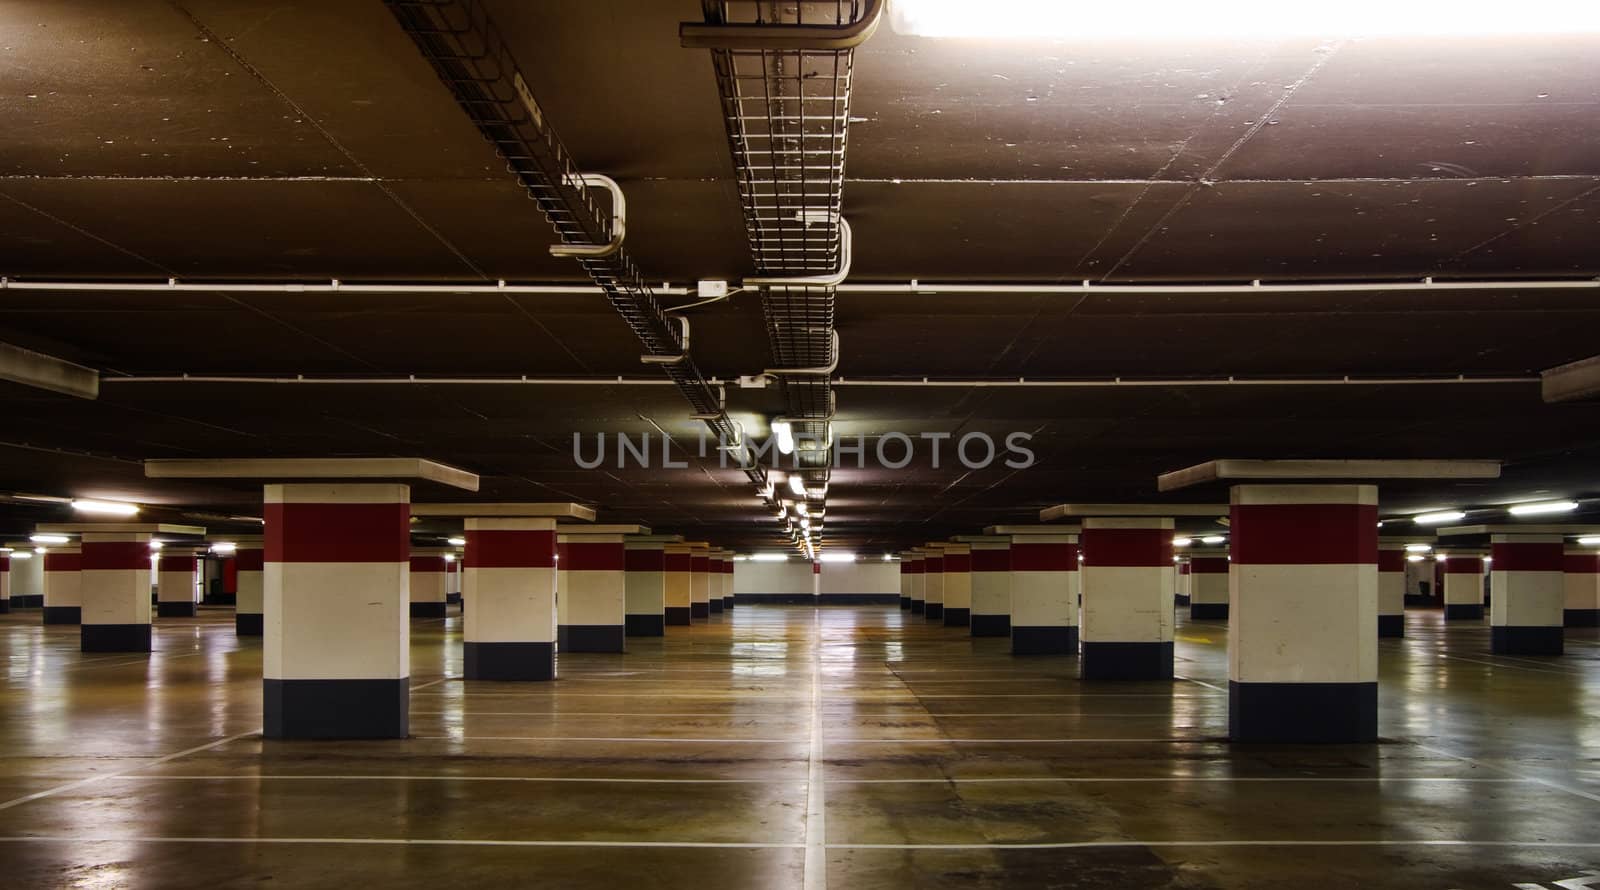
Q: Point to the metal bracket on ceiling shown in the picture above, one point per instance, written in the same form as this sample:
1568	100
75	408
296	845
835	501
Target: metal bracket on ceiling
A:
619	219
830	279
676	357
751	36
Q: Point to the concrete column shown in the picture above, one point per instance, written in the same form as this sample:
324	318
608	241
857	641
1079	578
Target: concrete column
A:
1463	585
176	572
452	579
508	591
933	584
991	588
1582	582
915	562
645	589
115	591
679	584
1044	595
428	592
249	602
1303	647
594	567
335	589
700	583
905	583
957	585
1527	592
1128	579
27	578
1391	589
727	580
1185	582
63	602
5	583
1208	586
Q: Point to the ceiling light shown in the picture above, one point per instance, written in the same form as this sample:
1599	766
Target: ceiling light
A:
1589	542
456	542
800	509
1183	20
1213	539
1440	558
1487	560
798	486
835	556
1414	558
785	434
1182	542
1418	548
888	557
49	539
449	557
1542	508
105	508
224	547
769	557
805	524
1442	516
21	554
156	545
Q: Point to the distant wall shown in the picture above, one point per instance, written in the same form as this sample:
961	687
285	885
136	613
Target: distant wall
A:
791	581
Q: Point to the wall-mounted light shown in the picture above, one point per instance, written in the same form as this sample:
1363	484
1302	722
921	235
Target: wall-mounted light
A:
105	508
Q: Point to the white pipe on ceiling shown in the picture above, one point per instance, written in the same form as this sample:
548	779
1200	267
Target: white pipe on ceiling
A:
1018	382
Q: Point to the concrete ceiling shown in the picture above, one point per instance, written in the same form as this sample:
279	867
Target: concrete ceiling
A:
215	140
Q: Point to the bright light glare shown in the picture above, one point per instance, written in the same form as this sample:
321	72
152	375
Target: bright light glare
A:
456	542
1189	21
1589	542
1438	518
798	486
1546	507
1418	548
832	556
49	539
785	434
1213	539
224	547
769	557
105	508
449	557
1182	542
1414	558
22	554
156	545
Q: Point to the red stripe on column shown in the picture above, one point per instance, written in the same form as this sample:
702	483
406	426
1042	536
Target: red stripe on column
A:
957	562
594	557
1581	563
816	568
1044	557
62	562
699	563
911	567
337	532
511	549
176	564
5	563
727	567
1137	547
933	564
1463	565
1391	560
1208	565
991	560
252	560
644	560
679	562
1305	534
99	555
1183	568
427	564
1525	557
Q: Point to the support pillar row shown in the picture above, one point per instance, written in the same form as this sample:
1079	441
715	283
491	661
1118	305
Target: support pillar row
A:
175	584
1044	595
1527	594
1391	589
1128	583
957	585
1582	582
991	588
1463	586
915	563
933	585
1208	587
679	584
594	568
645	589
508	590
63	601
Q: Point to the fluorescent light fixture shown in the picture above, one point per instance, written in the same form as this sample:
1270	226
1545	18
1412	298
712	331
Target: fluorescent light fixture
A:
798	486
1487	560
805	524
785	434
1177	559
1184	20
836	556
1439	518
49	539
1440	558
888	557
1418	548
21	554
105	508
1182	542
1213	539
156	545
800	509
1589	542
1414	558
449	557
224	547
456	541
769	557
1542	508
41	550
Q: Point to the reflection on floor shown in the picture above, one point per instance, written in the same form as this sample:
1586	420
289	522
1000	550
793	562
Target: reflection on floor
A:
923	758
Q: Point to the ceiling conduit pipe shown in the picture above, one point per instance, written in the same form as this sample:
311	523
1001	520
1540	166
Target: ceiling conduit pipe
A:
472	59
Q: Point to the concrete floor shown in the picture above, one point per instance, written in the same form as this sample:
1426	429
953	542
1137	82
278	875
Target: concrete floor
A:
782	746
